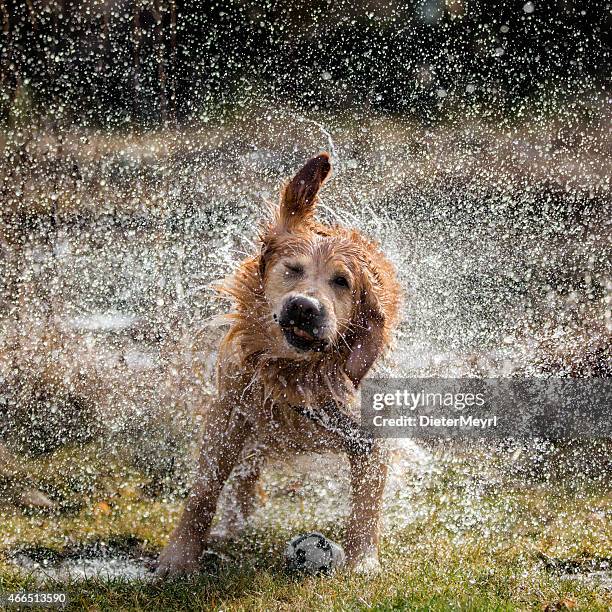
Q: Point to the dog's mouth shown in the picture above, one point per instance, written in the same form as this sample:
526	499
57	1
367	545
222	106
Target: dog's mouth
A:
302	339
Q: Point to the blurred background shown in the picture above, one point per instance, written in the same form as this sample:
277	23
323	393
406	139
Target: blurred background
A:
141	141
153	62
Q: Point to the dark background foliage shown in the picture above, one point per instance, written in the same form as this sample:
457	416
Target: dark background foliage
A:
156	61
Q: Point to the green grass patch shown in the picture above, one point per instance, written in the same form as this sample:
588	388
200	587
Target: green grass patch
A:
476	542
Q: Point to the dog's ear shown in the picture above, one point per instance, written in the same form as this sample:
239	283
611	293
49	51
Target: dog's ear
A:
369	334
298	199
299	196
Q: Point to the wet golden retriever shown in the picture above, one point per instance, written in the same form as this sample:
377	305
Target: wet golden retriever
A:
314	309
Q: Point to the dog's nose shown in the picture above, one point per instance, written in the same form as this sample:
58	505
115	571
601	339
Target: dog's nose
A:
302	311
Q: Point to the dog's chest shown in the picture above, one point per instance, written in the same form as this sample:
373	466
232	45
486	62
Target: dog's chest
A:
281	428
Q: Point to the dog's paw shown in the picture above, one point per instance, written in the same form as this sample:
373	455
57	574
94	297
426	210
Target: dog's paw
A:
178	560
366	564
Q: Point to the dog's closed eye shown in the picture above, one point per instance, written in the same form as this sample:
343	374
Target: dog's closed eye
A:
294	269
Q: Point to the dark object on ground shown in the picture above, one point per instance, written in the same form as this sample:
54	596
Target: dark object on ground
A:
313	553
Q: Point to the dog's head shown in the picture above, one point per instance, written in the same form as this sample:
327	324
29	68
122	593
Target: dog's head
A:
323	290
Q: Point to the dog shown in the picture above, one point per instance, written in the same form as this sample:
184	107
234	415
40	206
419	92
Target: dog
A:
314	309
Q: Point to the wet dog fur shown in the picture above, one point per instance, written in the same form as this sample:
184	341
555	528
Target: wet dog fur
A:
314	309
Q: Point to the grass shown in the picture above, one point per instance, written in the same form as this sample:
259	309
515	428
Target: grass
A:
476	543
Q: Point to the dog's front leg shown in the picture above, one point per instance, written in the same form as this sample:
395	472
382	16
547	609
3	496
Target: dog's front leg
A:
368	476
225	434
240	494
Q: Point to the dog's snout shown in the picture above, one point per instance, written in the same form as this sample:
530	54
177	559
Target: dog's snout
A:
303	320
304	308
305	313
